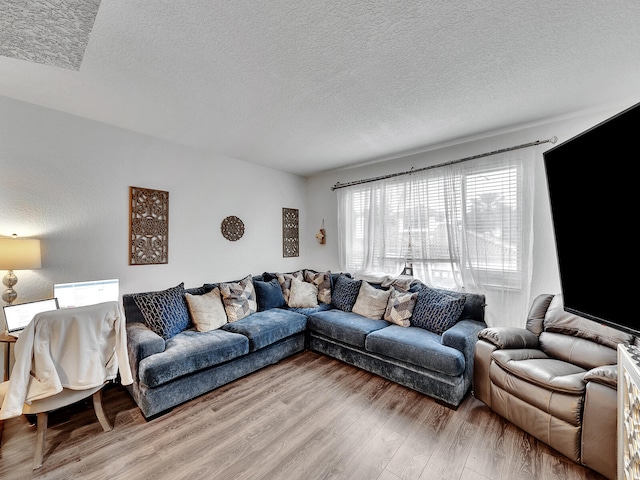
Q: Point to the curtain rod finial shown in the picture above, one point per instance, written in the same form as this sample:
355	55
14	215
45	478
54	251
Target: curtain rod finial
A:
553	139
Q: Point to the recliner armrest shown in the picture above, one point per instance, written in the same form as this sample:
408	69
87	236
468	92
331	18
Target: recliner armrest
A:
509	337
606	375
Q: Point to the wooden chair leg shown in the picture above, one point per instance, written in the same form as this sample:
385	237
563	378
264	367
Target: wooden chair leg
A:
41	436
102	417
1	430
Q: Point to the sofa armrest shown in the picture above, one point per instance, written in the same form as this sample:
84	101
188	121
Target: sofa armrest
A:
463	335
509	337
606	375
142	342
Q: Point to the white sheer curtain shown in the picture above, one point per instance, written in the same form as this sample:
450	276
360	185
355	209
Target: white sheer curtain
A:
465	226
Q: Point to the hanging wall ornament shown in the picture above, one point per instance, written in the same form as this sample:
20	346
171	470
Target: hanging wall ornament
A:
232	228
149	226
321	236
290	235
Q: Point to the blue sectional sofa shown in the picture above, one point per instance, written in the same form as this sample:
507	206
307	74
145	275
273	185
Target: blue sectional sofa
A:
173	360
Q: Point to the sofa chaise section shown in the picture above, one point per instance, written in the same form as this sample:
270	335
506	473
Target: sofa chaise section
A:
168	372
438	365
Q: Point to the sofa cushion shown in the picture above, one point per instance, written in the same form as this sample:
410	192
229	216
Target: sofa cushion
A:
269	294
536	367
345	293
436	311
400	307
284	279
302	294
346	327
371	302
322	280
270	326
322	307
416	346
189	352
557	320
207	311
165	312
577	350
239	298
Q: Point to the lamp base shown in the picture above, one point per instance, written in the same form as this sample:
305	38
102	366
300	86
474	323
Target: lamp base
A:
9	281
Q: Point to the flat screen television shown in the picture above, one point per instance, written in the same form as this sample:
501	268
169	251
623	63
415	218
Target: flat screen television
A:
593	192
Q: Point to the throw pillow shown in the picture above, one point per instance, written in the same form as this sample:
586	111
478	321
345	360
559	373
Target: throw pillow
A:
322	280
400	307
239	299
437	311
285	282
269	295
165	312
345	293
371	302
207	311
303	294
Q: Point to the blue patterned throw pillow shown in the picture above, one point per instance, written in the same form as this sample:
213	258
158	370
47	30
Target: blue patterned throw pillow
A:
436	311
345	293
164	312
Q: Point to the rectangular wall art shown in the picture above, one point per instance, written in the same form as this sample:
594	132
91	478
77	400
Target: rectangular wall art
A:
149	227
290	235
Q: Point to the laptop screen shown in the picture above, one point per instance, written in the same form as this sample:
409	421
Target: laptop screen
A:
79	294
19	316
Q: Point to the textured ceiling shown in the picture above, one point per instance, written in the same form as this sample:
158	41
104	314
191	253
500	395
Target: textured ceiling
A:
308	85
52	32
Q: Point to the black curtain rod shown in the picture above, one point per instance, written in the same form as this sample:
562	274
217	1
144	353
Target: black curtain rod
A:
338	185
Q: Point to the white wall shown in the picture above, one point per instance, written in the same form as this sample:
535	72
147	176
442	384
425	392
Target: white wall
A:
65	180
322	200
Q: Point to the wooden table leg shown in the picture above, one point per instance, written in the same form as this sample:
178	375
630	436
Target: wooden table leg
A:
7	359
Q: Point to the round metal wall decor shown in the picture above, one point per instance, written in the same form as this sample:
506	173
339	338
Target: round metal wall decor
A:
232	228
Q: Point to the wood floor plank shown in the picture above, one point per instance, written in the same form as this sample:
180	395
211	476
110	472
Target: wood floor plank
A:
491	457
308	417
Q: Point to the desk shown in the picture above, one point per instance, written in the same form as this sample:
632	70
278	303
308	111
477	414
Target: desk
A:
8	339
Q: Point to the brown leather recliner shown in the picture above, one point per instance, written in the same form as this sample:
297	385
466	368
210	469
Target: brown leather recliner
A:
556	379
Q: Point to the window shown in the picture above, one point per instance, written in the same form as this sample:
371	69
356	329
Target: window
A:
459	225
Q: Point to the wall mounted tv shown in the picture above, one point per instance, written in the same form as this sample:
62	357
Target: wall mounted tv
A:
593	192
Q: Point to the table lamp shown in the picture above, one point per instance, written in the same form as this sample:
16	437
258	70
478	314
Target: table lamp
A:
17	254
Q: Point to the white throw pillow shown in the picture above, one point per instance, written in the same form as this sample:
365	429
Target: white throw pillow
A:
302	294
371	302
207	311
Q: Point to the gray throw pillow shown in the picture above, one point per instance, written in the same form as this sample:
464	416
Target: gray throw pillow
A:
345	293
437	311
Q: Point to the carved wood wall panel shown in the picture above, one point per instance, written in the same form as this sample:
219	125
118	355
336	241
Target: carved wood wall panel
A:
290	232
149	227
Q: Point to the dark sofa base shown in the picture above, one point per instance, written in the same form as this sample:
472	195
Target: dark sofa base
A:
446	389
154	401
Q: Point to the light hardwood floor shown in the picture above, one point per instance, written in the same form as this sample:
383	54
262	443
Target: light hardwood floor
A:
308	417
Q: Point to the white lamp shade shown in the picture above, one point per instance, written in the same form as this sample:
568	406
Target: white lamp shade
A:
19	254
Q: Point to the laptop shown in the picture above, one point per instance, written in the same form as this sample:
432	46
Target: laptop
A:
78	294
17	317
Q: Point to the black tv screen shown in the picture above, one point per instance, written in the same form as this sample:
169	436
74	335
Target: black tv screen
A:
593	191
